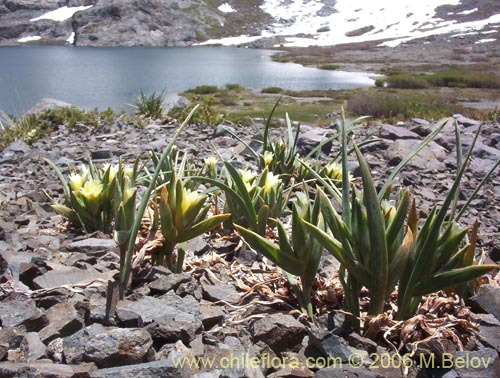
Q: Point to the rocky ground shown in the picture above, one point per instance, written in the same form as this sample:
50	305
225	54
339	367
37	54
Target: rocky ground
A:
56	321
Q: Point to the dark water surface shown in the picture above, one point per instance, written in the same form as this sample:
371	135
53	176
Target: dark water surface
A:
112	76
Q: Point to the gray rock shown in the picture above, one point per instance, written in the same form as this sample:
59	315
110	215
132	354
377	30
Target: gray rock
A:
489	331
359	342
487	300
169	282
198	245
64	320
156	369
129	319
46	104
397	132
11	337
55	351
280	332
22	312
466	122
35	369
310	138
94	246
118	347
334	346
32	347
70	276
430	157
483	363
71	347
210	315
168	318
221	293
346	371
17	146
101	154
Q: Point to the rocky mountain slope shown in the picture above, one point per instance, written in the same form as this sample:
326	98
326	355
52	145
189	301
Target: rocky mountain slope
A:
258	23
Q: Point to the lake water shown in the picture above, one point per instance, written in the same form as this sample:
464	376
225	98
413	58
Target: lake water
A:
113	76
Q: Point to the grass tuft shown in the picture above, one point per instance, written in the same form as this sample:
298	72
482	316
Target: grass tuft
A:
150	106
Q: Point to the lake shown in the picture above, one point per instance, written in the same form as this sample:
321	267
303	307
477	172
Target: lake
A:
92	77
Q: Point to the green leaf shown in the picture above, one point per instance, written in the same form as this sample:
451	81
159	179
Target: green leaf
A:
378	244
242	191
397	224
451	278
267	248
201	228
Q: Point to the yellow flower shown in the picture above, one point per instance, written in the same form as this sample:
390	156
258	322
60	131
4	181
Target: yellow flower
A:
211	162
272	182
91	190
128	171
76	181
113	170
268	157
128	191
247	175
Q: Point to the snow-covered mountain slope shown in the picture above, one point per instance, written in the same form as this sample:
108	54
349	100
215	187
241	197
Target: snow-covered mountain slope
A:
325	23
256	23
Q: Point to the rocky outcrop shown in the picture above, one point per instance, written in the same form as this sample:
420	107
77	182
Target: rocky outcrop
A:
126	22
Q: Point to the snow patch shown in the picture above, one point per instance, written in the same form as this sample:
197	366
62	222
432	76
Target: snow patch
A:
466	12
226	8
29	39
487	40
71	38
61	14
396	21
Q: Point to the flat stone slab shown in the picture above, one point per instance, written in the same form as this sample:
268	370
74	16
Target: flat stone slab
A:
91	245
70	276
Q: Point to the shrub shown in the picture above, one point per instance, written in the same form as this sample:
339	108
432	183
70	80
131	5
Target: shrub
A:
464	80
380	83
405	81
331	67
234	87
384	105
204	89
272	90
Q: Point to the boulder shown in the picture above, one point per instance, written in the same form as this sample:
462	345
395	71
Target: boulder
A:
430	157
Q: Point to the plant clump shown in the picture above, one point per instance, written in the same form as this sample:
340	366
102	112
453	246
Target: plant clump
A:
288	212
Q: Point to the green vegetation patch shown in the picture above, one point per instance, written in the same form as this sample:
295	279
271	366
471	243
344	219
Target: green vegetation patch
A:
31	127
330	67
451	79
272	90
